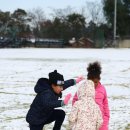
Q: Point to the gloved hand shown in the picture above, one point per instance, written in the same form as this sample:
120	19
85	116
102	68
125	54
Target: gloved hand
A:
80	78
67	98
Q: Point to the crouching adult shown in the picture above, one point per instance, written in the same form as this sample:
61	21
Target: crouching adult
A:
42	110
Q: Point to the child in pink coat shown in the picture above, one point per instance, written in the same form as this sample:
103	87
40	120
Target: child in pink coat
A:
94	71
85	113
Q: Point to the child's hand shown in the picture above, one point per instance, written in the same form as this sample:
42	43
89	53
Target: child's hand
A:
80	78
67	98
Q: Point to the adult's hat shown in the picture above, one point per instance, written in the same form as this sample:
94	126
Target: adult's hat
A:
56	78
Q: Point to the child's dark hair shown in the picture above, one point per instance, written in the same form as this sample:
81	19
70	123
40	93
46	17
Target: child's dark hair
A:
94	70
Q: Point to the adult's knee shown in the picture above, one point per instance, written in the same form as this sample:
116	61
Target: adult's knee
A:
61	114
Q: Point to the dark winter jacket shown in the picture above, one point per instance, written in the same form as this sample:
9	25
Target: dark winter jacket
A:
45	101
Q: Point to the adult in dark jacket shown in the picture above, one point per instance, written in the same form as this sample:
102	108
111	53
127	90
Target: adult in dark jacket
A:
42	110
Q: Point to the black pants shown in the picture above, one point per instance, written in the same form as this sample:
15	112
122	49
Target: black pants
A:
57	116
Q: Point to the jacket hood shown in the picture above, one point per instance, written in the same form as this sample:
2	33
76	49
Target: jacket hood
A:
42	85
86	90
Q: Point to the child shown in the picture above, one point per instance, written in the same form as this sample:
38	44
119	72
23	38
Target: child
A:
42	110
85	113
94	71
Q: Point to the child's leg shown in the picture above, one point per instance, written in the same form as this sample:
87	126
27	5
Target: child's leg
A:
57	116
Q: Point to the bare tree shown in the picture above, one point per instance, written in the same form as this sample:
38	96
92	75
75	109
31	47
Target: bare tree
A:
84	12
37	16
95	12
61	13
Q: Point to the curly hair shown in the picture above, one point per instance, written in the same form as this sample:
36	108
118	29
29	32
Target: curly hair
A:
94	70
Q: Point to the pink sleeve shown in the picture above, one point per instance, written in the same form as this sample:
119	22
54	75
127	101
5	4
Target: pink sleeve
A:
75	98
106	113
106	110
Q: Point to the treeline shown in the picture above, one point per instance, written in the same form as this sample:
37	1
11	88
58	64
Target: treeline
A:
94	21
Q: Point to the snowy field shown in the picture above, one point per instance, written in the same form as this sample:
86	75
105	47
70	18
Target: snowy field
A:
21	68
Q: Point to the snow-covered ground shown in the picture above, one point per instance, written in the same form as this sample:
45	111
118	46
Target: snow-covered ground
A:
21	68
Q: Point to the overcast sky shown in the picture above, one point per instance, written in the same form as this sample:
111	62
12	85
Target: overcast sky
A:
46	5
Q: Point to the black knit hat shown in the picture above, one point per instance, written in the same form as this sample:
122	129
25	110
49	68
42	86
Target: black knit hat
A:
56	78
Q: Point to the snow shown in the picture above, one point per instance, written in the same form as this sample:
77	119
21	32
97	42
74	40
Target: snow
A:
21	68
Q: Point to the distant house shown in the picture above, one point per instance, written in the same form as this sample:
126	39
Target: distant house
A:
32	42
54	43
83	43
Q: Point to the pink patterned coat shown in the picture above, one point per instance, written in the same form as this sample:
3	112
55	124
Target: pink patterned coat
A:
85	113
102	101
